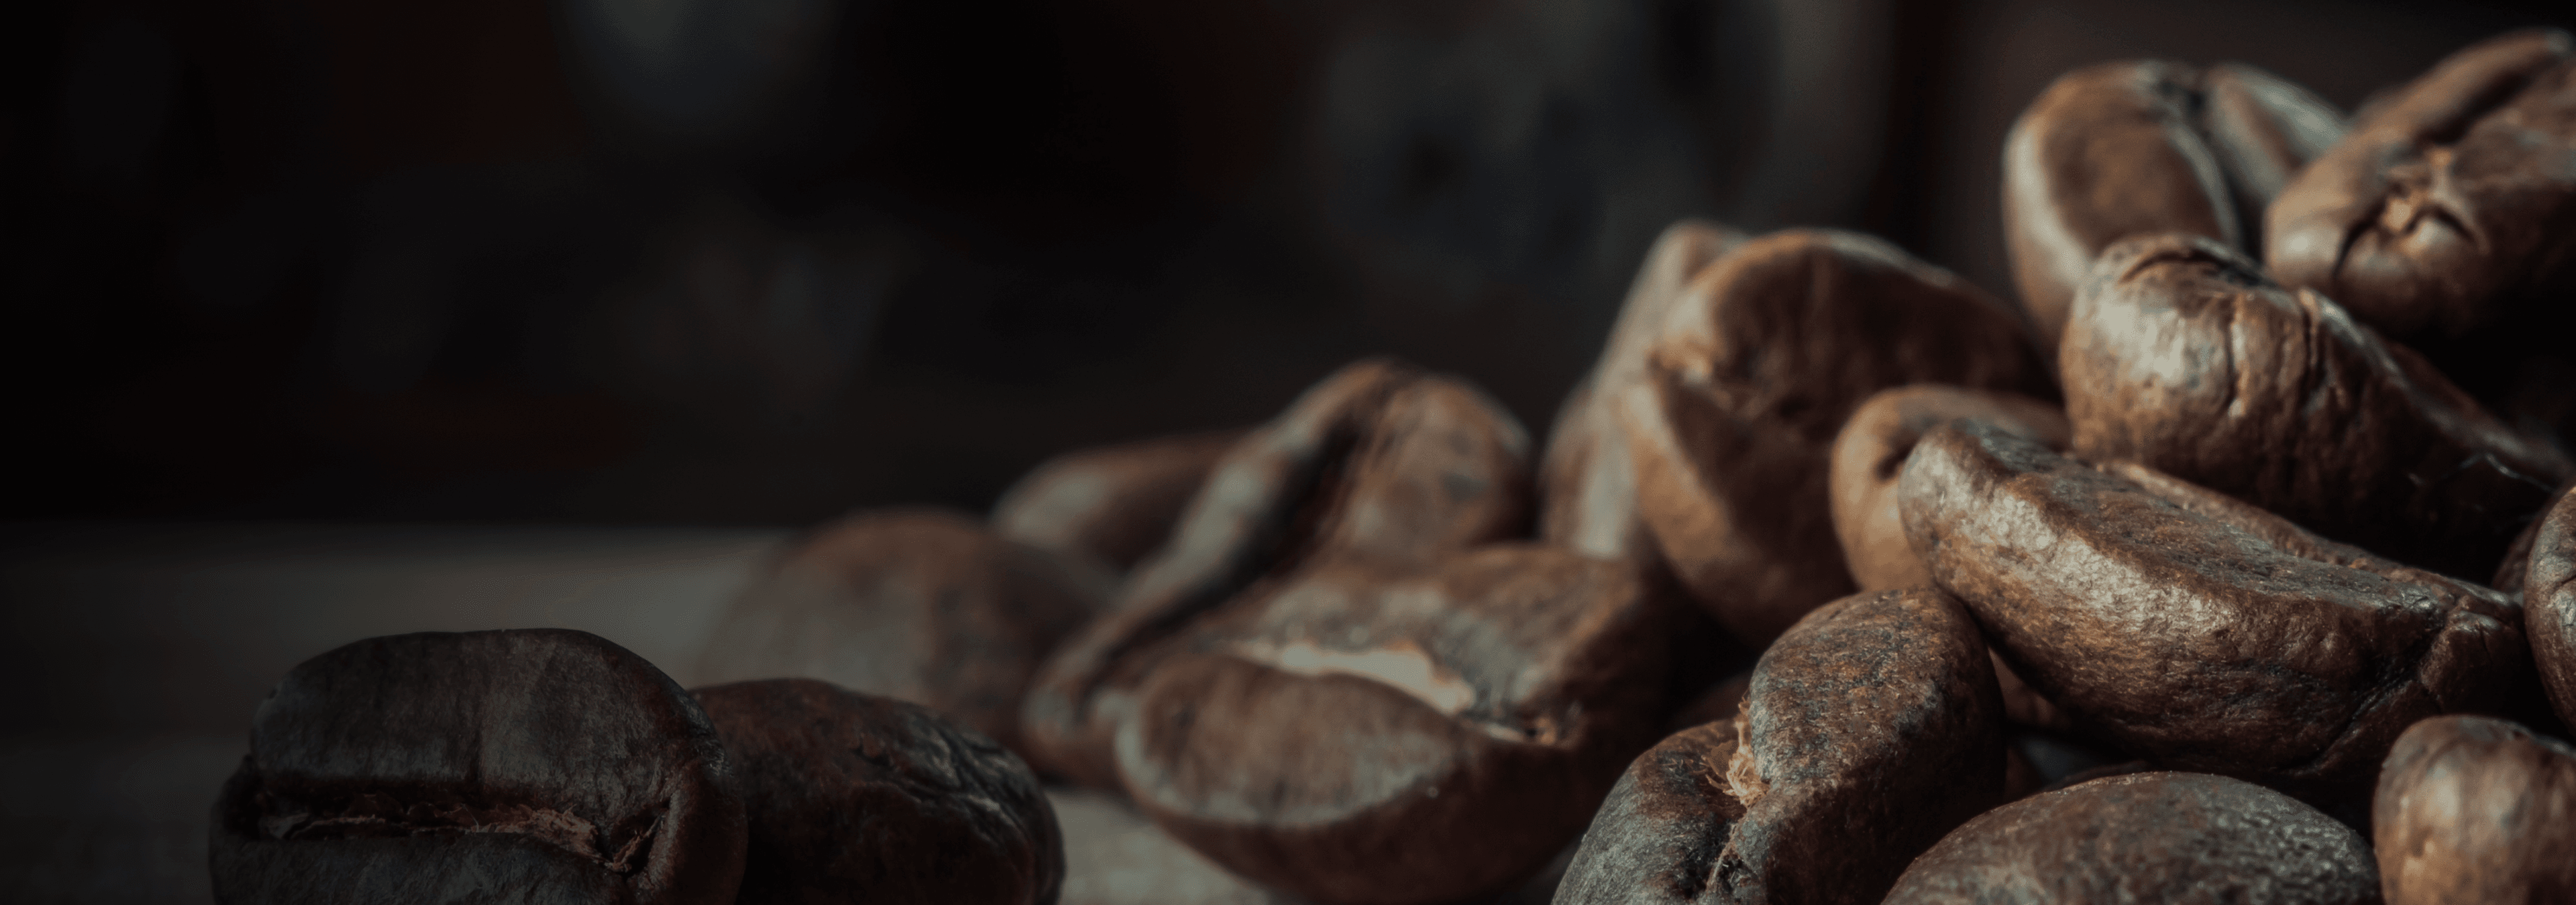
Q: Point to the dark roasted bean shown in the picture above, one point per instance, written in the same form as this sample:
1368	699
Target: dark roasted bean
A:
540	765
857	798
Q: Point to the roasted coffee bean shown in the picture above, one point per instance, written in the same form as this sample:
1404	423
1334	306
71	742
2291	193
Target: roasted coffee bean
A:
1871	728
1114	504
2147	838
1871	450
1361	735
858	798
2183	356
922	605
2549	605
2451	201
1758	366
2198	631
1867	456
2473	809
1587	481
2147	146
1380	463
539	765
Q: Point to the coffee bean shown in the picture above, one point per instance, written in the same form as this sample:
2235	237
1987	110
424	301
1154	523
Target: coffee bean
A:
539	765
1114	504
2451	201
859	798
2147	146
922	605
2147	837
2198	631
1588	481
1871	728
1758	366
1364	735
1867	456
1871	449
1380	463
2549	605
2473	809
2183	356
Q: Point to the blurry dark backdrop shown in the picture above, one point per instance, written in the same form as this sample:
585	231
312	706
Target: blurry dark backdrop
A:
763	261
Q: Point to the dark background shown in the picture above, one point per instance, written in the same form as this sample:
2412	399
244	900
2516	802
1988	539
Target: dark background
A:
764	261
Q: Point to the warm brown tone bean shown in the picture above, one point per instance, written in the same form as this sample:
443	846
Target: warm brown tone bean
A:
1114	504
2147	146
922	605
1866	458
1357	736
2473	809
1871	728
1871	450
1378	464
541	765
857	798
2451	202
2549	605
2146	838
2203	633
2183	356
1588	482
1758	366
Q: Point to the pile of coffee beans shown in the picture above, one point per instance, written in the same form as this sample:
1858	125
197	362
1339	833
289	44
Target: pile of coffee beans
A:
2237	562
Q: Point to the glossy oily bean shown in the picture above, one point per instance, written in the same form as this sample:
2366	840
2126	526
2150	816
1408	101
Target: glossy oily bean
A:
1871	728
2451	202
1757	368
2183	356
539	765
922	605
2147	838
2147	146
2199	632
1361	735
858	798
1114	504
2473	809
1380	463
1587	481
2549	605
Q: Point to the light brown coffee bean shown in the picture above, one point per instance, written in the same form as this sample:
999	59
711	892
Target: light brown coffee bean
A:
1114	504
1365	735
2473	809
1587	481
1379	464
918	604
